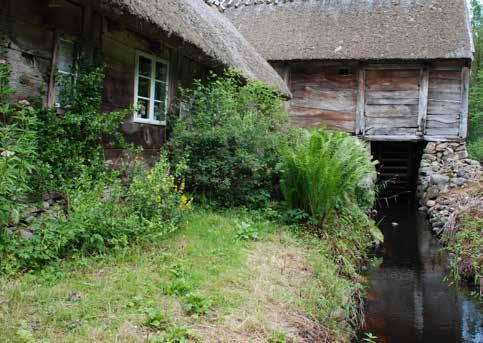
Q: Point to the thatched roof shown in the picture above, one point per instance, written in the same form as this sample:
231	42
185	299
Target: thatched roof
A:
353	29
201	27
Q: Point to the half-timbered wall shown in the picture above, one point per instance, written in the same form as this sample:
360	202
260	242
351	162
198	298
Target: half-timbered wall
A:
383	101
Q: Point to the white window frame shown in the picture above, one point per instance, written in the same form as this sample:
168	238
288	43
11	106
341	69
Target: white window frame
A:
154	60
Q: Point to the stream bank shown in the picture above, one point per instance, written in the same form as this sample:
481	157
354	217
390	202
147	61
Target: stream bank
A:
409	299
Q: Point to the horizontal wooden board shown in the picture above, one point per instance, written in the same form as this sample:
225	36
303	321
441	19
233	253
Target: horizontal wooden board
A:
393	131
393	101
395	122
391	110
443	132
444	107
392	80
438	94
321	121
404	94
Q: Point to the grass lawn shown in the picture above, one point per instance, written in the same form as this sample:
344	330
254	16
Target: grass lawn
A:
212	281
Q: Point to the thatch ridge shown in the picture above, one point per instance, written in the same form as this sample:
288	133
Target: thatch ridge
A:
353	29
200	26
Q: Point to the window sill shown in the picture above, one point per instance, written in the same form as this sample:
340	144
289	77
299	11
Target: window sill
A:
149	121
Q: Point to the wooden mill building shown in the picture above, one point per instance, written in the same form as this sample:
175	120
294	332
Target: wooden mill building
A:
390	70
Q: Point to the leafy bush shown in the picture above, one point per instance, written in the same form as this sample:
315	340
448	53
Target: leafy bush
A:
464	243
247	231
230	138
72	140
101	214
475	132
18	149
323	172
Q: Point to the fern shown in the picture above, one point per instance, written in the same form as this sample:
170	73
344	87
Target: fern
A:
323	171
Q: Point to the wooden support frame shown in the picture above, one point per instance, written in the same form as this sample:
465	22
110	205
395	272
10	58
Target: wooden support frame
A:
53	64
423	99
465	88
361	99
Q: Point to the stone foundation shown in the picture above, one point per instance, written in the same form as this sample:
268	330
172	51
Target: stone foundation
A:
445	170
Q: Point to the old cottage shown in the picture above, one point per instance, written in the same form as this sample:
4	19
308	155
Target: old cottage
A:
149	47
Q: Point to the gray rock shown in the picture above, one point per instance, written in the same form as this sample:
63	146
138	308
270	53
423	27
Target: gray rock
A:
26	234
438	179
429	157
45	205
430	203
462	154
432	193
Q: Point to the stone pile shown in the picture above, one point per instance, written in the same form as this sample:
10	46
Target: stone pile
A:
445	169
24	223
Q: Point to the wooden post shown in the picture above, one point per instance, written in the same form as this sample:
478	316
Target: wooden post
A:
53	67
361	88
423	99
465	88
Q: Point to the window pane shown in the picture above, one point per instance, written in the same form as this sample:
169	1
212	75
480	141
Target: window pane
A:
65	56
159	111
161	71
160	93
144	66
144	87
142	109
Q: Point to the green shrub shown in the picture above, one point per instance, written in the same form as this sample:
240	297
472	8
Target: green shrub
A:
18	150
464	244
197	304
230	138
71	140
475	129
101	214
323	172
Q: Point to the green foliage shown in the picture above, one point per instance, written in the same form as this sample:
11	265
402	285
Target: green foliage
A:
197	304
247	231
18	150
157	319
324	172
230	138
465	247
72	140
475	132
101	214
475	129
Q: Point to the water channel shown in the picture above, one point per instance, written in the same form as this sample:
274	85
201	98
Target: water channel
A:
409	300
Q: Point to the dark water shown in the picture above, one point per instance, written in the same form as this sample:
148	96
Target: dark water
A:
408	300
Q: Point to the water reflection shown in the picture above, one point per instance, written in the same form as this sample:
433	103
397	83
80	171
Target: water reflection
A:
408	300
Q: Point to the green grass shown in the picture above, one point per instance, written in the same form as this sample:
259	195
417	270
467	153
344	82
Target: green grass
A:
203	283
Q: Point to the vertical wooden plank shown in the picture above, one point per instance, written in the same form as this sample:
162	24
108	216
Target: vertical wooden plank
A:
361	88
423	99
465	87
53	63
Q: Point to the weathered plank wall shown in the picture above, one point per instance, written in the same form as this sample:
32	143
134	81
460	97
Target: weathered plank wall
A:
324	94
383	101
391	102
444	103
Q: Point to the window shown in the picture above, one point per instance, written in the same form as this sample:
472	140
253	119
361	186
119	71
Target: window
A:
150	90
345	71
66	56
